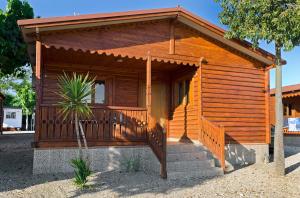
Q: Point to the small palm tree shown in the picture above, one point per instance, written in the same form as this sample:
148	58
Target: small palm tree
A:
74	91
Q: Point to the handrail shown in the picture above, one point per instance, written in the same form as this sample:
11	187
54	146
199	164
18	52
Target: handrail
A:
157	140
213	137
104	107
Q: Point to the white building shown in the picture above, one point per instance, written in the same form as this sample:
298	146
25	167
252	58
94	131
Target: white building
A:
12	118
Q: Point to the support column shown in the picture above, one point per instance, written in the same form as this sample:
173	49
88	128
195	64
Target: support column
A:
38	64
267	106
148	86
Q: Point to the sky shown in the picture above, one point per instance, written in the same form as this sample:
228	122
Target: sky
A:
206	9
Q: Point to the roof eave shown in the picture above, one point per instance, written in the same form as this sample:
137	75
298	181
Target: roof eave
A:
82	21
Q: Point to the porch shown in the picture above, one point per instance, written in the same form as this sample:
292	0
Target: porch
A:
137	102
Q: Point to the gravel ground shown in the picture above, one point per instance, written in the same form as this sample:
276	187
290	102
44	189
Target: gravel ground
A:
252	181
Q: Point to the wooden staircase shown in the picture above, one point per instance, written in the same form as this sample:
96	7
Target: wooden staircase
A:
188	160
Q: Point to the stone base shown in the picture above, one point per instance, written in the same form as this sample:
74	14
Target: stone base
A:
54	160
246	154
292	140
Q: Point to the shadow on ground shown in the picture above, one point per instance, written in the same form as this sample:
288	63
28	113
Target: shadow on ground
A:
16	158
139	183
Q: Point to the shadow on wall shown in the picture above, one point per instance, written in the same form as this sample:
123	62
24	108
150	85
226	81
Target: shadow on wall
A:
238	156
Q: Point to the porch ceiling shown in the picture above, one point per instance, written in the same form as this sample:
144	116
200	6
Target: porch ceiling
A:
123	53
95	61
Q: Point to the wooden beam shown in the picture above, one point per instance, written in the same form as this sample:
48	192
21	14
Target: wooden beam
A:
38	87
172	37
199	75
267	106
148	85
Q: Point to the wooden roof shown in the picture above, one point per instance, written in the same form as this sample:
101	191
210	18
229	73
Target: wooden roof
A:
32	26
288	91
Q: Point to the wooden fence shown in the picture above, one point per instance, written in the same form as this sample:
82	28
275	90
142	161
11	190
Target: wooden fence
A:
106	126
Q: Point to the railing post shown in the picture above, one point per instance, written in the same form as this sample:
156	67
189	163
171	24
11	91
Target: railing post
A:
163	165
222	146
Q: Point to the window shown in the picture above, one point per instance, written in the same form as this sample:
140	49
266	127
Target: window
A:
187	91
100	92
180	92
10	115
98	97
287	109
183	89
290	109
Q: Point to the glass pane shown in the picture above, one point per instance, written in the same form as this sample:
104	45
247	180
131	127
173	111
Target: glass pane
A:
180	92
187	91
100	92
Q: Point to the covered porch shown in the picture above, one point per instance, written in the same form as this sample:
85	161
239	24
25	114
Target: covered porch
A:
137	101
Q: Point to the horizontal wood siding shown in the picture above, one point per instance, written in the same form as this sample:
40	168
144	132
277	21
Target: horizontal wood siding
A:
240	105
232	86
126	91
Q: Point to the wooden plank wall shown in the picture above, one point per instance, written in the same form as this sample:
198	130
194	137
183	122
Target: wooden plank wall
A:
183	118
233	87
126	85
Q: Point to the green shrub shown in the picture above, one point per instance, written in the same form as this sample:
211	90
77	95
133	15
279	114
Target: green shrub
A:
82	171
131	164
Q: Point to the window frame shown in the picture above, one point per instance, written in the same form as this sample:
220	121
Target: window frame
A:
186	98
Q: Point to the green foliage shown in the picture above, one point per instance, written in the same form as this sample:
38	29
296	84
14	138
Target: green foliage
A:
13	54
74	92
273	21
82	171
131	164
9	101
25	96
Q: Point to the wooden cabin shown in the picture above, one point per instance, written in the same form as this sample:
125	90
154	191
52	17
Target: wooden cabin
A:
162	75
1	112
291	109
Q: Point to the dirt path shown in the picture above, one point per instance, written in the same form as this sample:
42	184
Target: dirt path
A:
16	179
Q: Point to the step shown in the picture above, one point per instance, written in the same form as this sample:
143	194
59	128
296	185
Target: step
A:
202	173
184	148
200	155
190	165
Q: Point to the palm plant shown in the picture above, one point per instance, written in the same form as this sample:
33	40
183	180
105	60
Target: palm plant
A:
74	92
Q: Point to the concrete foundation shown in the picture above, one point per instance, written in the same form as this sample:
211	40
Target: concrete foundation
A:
292	140
245	154
101	159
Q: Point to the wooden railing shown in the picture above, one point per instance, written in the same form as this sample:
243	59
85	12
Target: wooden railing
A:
157	140
106	125
287	132
213	137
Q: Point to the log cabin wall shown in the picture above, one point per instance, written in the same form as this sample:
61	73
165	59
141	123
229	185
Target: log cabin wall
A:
233	89
183	115
233	85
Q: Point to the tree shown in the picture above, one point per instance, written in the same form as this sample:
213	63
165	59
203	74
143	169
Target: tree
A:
13	54
275	22
74	92
25	98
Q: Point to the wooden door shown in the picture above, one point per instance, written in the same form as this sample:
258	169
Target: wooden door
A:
159	109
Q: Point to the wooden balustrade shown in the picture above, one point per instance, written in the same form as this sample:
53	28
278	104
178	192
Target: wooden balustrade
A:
213	137
157	140
107	124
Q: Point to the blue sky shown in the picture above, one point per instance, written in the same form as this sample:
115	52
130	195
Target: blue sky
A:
206	9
